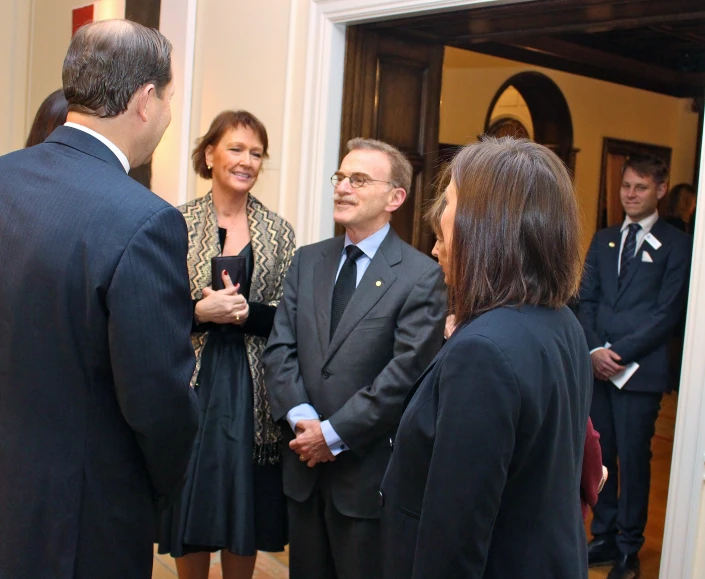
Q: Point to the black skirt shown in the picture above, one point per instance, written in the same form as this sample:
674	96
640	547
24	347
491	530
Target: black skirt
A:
228	501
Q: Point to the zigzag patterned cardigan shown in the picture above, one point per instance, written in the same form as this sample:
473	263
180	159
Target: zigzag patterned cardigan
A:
273	246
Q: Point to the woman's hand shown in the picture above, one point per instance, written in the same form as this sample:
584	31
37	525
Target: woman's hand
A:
224	306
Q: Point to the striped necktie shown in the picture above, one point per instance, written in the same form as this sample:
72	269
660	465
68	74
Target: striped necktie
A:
628	250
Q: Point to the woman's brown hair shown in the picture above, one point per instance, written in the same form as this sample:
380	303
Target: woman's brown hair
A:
221	124
516	229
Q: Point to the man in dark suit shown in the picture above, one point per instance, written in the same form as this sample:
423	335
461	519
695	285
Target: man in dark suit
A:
631	299
96	415
361	317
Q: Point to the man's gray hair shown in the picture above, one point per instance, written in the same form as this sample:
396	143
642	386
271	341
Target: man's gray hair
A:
401	170
109	61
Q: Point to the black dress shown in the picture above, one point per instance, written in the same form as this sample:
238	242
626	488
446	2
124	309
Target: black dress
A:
228	501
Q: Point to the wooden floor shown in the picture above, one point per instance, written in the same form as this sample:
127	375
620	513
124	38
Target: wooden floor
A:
662	449
275	566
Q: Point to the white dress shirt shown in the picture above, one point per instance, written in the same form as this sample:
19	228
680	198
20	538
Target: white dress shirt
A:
369	247
646	224
107	142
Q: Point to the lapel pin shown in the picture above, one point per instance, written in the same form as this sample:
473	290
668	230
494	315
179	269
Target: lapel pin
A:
611	243
378	283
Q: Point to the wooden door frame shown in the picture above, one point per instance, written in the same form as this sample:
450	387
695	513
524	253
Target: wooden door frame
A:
369	57
320	144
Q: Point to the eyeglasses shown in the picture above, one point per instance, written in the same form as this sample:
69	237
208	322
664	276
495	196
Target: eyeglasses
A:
357	180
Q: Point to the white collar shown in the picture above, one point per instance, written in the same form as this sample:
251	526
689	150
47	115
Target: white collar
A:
107	142
646	224
371	243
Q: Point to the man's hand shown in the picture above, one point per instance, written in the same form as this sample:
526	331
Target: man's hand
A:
310	443
605	363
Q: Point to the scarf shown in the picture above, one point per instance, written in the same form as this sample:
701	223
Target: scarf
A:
273	246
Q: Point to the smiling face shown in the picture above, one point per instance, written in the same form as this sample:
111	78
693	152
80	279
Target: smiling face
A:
364	210
236	160
640	194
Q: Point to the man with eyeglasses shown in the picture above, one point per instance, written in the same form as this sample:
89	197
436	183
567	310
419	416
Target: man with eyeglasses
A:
361	317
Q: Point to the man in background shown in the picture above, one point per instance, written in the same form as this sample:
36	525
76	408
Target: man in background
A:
361	317
631	300
96	415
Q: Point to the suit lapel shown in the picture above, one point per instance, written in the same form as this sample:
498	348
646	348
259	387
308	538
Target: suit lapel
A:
633	268
438	357
612	249
637	264
377	280
323	282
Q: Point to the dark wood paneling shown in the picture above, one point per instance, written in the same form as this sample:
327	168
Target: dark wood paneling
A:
655	45
392	93
145	12
556	54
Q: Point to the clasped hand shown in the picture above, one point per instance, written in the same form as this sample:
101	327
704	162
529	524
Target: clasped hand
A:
225	306
605	363
310	444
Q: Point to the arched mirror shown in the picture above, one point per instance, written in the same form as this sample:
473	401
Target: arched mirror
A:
532	102
510	116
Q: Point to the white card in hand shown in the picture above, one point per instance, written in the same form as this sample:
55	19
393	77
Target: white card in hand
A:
621	378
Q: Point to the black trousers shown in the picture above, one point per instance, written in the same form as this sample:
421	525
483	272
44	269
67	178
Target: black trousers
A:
626	422
325	544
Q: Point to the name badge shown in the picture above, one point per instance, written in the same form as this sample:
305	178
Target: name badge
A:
652	241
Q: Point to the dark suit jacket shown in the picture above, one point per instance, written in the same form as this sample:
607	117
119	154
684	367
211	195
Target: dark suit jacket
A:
389	332
639	317
96	414
484	480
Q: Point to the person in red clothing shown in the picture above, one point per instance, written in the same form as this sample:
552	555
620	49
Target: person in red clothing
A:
594	473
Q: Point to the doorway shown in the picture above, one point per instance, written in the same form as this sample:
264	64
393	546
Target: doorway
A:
679	551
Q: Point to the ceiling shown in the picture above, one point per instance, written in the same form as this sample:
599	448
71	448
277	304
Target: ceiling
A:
656	45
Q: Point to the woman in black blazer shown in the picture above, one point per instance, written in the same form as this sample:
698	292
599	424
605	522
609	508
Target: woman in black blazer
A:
484	480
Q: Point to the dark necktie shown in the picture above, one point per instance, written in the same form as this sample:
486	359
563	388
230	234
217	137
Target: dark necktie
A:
345	286
628	250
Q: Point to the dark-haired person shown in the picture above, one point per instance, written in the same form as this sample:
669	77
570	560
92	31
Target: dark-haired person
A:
632	297
50	114
593	473
233	500
97	418
680	206
680	212
361	316
485	475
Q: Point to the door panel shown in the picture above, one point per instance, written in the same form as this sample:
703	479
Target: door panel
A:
392	93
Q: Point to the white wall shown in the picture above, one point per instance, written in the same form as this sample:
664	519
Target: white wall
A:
48	42
242	60
14	56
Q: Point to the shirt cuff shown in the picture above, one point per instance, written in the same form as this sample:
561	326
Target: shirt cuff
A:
301	412
333	441
598	348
